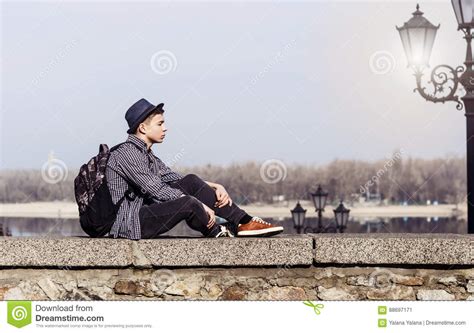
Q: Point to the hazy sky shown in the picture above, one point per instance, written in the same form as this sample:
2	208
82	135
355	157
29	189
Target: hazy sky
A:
299	82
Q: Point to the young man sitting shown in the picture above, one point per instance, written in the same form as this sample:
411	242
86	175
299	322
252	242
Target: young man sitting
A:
162	198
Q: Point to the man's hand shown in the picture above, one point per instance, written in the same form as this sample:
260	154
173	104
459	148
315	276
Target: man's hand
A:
223	197
212	216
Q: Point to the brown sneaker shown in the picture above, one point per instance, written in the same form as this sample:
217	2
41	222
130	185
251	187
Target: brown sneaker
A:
258	227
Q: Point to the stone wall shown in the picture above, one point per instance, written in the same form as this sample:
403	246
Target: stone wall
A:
329	283
325	267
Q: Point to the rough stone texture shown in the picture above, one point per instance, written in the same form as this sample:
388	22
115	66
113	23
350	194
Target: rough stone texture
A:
279	268
409	280
470	286
64	252
130	287
49	288
228	252
234	293
83	252
139	259
434	295
452	280
286	293
380	249
283	283
446	249
392	293
335	294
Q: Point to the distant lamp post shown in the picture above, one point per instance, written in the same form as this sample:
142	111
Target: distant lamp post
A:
341	214
319	200
417	35
298	214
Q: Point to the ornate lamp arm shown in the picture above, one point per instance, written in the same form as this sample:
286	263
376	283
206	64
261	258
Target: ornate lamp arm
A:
441	75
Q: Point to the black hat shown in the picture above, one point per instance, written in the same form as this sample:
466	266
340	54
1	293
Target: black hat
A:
138	112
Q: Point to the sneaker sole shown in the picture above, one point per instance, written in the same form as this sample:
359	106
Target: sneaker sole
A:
262	232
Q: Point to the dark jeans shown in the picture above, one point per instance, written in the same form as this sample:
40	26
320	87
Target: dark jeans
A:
158	218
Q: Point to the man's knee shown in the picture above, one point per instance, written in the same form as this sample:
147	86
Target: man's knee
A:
192	177
196	207
192	202
194	180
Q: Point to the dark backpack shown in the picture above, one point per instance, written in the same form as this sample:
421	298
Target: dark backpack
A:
97	212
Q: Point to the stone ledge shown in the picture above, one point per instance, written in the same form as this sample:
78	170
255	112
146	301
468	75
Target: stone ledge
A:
276	251
418	249
282	251
169	252
64	252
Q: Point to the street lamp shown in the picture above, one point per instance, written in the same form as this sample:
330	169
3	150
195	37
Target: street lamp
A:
298	214
417	35
319	200
463	9
341	214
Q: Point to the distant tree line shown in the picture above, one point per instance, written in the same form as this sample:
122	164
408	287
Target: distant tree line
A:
395	180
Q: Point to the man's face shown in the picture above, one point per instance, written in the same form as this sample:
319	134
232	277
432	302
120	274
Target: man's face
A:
155	129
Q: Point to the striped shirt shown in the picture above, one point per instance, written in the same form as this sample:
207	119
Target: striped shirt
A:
141	168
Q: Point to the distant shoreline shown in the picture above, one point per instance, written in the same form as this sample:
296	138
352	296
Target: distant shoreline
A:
69	210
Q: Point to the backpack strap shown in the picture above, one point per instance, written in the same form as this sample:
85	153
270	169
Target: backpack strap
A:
132	189
122	143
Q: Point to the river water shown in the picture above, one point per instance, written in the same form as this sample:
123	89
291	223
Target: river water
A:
70	227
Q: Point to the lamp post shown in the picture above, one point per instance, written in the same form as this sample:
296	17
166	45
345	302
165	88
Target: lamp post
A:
341	214
298	214
418	35
319	200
